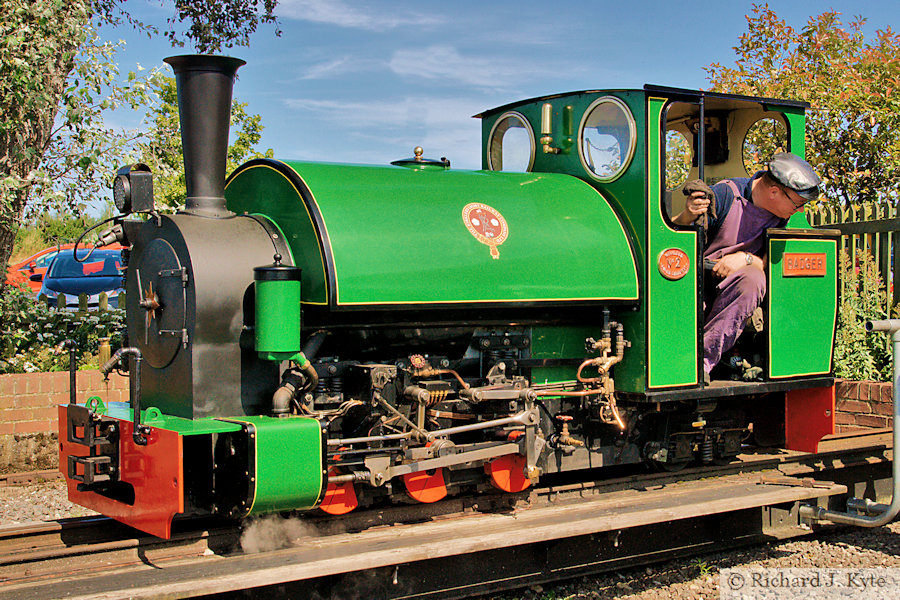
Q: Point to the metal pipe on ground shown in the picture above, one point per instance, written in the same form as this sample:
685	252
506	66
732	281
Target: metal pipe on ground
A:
878	514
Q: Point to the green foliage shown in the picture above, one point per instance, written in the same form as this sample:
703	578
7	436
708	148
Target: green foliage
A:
858	355
678	159
162	150
704	569
218	23
764	139
28	242
82	150
32	333
54	228
57	78
853	128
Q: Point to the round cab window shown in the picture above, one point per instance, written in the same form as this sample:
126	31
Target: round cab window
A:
607	138
764	139
511	144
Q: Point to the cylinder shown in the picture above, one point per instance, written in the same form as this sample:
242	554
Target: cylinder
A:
278	319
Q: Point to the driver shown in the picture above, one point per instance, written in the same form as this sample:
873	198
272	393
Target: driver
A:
735	231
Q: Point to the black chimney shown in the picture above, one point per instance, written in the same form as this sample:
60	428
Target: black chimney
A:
204	85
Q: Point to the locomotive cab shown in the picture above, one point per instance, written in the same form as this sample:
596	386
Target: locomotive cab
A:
638	148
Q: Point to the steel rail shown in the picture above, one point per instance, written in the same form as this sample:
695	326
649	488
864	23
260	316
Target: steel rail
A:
34	558
839	450
457	557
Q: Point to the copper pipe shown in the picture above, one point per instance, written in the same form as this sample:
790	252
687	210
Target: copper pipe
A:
416	429
430	372
615	411
589	362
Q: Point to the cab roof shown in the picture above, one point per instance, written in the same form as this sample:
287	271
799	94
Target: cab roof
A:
712	100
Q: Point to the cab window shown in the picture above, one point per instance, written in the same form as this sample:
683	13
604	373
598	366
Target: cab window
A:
607	138
511	144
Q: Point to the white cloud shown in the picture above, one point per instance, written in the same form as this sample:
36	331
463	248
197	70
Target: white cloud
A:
340	66
359	16
444	62
381	131
400	113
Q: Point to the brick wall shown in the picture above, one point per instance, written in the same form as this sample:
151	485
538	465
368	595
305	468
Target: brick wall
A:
863	405
28	415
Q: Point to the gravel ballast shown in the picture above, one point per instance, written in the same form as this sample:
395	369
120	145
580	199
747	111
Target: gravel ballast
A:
43	501
698	578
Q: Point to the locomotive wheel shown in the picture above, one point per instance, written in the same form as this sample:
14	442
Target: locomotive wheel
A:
674	467
339	498
508	473
426	486
667	467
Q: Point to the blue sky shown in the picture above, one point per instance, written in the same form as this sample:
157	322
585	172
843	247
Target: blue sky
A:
366	81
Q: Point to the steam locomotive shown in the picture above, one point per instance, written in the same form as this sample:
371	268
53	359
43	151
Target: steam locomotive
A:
328	336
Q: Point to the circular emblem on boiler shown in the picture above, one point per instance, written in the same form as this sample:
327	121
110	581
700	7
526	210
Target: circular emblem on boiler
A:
673	263
486	224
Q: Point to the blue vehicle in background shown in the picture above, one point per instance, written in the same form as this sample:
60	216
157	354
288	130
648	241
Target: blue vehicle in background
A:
100	272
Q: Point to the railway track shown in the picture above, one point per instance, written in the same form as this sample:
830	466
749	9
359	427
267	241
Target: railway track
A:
489	543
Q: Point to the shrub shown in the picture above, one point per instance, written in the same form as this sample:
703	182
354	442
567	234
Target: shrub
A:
32	334
49	229
858	355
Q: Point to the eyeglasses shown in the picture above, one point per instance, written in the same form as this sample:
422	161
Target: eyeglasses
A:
791	200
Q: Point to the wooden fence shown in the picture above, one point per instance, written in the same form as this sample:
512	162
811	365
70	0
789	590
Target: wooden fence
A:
103	304
871	227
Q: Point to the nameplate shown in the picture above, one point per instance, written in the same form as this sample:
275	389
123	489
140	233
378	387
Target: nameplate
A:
802	264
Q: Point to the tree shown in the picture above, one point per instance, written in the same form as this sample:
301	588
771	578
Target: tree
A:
162	152
678	159
53	70
853	85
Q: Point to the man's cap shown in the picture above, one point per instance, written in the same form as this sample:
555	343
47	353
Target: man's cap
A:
795	174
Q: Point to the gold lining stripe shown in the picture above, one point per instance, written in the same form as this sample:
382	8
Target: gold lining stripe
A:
615	216
254	439
655	126
598	298
836	306
635	296
308	215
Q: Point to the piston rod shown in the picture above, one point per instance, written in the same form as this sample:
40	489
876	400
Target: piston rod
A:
527	417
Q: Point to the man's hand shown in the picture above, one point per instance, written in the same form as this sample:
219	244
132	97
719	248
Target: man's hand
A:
730	263
698	197
697	204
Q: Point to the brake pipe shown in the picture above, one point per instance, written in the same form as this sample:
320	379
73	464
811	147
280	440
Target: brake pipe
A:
880	514
140	432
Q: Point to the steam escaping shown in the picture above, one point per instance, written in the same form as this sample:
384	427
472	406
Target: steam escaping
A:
273	532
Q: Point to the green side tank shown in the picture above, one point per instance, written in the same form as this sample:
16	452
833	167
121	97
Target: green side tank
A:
383	237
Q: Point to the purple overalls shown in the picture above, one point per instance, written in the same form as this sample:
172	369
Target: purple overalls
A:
738	295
